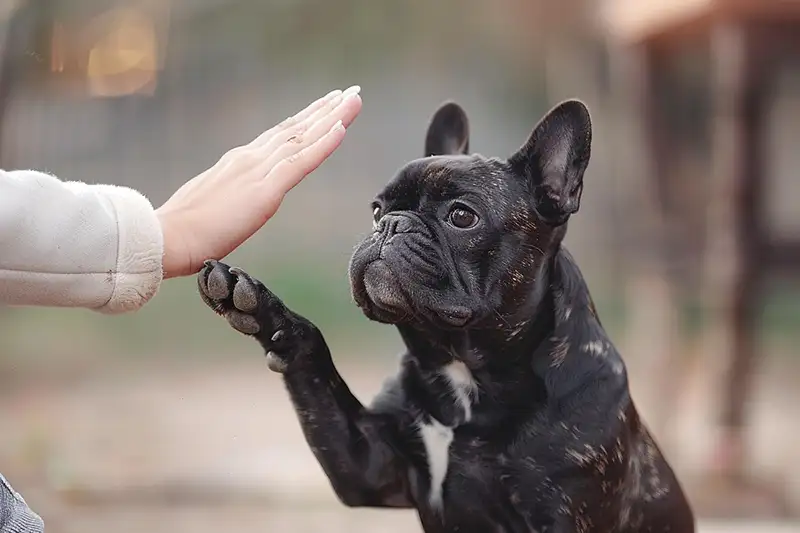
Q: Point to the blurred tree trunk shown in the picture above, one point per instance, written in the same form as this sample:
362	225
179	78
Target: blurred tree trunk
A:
7	22
17	33
17	42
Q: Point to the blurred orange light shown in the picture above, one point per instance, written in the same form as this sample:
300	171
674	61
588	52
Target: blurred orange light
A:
124	60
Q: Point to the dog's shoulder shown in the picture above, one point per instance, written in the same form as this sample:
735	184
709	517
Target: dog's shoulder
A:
579	360
588	397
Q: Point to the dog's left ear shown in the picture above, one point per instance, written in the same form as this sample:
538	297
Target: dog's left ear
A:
554	159
448	132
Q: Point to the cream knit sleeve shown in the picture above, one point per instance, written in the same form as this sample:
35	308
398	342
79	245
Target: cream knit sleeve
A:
70	244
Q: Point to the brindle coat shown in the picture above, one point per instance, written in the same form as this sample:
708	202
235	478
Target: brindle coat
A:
511	410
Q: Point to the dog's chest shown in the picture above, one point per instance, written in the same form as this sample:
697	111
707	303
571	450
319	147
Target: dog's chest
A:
461	480
436	436
477	491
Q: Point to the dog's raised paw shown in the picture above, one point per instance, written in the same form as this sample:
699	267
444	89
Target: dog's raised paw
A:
250	308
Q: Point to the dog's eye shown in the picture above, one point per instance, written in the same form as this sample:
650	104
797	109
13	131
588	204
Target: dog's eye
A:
376	215
462	218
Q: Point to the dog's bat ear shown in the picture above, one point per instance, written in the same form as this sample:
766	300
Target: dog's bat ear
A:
554	159
448	132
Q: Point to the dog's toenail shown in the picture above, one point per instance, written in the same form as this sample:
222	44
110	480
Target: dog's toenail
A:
238	272
278	336
275	362
209	262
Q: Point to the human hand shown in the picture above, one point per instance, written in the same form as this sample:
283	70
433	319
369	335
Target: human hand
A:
215	212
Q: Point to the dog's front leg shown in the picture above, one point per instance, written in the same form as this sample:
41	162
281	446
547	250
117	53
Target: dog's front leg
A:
350	443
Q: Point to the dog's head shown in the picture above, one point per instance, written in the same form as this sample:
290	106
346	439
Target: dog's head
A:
459	240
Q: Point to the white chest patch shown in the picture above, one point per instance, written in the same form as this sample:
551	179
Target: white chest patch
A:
436	438
463	384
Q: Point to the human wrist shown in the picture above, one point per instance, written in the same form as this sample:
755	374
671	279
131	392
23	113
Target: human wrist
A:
174	262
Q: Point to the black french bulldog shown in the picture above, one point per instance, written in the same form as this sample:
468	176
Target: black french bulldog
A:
511	411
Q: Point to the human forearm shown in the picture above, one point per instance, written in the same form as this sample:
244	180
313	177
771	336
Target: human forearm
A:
69	244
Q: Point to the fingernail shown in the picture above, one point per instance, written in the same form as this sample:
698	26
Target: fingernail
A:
351	91
337	126
335	92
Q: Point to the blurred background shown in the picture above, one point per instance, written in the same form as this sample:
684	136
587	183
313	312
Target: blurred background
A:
689	234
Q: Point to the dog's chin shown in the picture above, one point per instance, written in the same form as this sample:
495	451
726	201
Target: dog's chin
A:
383	297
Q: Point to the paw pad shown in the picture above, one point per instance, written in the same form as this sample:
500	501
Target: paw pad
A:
217	284
245	292
243	323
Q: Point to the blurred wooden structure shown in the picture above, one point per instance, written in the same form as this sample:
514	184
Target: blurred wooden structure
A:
744	41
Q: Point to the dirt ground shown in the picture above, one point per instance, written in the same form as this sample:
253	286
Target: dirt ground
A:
212	447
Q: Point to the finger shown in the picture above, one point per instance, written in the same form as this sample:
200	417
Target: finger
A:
291	126
290	141
325	113
299	117
349	110
308	111
295	119
297	132
291	171
346	111
336	109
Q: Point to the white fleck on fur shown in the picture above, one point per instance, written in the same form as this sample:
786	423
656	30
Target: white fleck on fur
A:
595	348
436	438
516	331
463	384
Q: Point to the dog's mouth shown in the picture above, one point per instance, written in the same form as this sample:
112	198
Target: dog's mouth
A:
384	292
384	297
456	317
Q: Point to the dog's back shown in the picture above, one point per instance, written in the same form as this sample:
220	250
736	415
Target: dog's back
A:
653	500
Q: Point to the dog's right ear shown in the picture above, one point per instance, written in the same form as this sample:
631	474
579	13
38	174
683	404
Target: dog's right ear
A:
448	132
